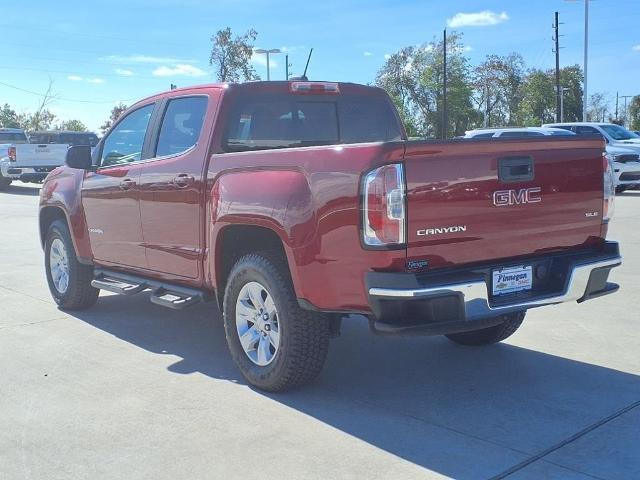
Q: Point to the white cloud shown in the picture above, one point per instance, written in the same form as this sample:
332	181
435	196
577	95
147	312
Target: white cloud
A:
292	48
368	54
124	72
261	59
181	69
77	78
478	19
636	48
144	59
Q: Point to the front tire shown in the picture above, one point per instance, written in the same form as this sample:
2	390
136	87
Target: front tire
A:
276	344
488	336
69	280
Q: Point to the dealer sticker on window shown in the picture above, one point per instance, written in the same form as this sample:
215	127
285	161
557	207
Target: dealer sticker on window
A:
512	279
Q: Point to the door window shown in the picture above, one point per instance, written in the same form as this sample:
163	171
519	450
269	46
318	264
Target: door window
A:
125	142
181	125
583	130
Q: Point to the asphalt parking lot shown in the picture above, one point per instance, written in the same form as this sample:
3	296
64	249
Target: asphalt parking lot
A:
132	390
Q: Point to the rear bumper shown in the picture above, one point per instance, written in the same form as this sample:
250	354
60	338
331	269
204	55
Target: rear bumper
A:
459	300
25	174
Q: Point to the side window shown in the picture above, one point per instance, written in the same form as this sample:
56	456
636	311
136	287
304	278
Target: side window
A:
181	125
484	135
521	134
582	130
124	143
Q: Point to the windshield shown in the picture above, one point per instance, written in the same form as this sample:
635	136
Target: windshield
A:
617	132
265	121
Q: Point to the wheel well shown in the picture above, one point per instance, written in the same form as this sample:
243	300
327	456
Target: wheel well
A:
48	215
239	240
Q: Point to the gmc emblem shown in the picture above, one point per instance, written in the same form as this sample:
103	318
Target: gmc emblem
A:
503	198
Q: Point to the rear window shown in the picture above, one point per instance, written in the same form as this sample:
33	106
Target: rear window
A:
264	121
13	137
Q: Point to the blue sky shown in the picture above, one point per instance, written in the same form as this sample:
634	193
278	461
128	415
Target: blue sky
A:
98	53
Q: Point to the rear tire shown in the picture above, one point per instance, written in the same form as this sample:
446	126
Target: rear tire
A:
4	182
488	336
69	280
297	340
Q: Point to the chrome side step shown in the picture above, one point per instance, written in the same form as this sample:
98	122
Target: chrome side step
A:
167	295
117	286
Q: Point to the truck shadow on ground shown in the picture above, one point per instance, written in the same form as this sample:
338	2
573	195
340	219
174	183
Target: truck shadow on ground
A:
22	189
463	412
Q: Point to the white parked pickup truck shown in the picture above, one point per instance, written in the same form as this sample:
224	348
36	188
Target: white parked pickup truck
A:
29	162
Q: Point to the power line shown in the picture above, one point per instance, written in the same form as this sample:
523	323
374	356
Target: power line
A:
66	99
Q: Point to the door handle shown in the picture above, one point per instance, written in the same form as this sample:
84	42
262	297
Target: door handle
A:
126	184
183	180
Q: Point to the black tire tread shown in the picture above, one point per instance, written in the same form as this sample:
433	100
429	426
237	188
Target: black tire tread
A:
309	331
490	335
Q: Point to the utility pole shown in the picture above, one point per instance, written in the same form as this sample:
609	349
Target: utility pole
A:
556	38
616	105
286	66
445	114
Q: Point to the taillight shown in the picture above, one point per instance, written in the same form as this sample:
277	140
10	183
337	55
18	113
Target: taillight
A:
383	209
319	88
11	152
609	194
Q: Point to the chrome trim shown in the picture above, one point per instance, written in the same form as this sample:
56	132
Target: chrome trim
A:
476	296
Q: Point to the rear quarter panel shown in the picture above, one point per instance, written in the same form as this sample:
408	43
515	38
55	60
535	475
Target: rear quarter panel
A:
310	198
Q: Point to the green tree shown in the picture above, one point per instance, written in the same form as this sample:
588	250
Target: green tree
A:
598	107
73	125
413	77
42	119
571	78
498	88
8	117
634	113
113	116
231	56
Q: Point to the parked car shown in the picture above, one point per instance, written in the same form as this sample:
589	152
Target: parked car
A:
294	204
626	167
29	162
515	132
67	137
613	134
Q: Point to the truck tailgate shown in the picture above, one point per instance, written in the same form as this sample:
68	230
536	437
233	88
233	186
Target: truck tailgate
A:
40	155
461	209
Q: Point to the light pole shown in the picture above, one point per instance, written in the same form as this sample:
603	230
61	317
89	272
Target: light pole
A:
561	91
586	52
267	52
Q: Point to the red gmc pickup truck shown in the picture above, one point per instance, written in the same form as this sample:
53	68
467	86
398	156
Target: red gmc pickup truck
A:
293	204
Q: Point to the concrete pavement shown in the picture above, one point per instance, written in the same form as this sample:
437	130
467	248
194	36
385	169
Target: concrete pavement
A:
132	390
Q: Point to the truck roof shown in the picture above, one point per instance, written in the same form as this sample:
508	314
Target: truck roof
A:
277	86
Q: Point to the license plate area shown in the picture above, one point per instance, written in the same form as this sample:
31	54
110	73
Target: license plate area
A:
511	279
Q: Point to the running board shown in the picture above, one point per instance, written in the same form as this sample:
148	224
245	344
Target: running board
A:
118	286
167	295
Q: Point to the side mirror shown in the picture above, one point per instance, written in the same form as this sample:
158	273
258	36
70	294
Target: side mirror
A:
79	156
